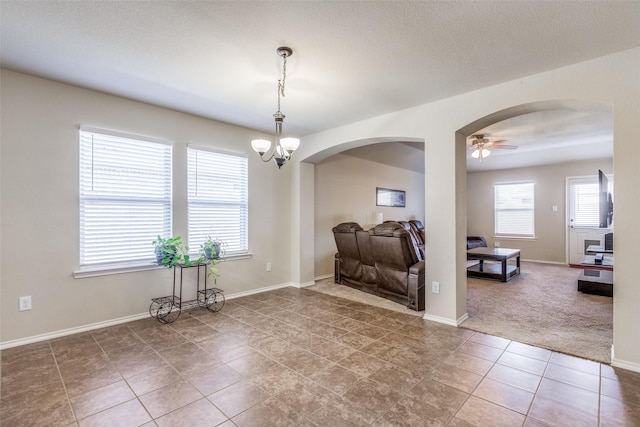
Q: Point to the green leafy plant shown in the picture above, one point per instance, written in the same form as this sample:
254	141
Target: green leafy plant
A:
212	250
173	251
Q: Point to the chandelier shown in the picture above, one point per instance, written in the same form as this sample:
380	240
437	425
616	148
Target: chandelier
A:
284	147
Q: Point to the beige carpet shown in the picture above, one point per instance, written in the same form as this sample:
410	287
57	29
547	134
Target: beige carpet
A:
541	307
327	286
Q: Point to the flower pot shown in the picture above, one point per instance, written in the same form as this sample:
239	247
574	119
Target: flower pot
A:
166	252
212	253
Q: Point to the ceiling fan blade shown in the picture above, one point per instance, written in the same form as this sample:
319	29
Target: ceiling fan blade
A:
508	147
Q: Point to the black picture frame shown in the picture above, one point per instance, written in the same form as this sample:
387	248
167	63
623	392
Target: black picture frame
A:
389	197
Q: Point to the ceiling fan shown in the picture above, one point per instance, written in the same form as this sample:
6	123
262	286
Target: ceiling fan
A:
481	146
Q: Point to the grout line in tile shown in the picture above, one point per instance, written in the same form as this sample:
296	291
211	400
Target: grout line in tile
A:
64	387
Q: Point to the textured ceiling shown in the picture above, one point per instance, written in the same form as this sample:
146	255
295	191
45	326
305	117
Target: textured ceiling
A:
351	61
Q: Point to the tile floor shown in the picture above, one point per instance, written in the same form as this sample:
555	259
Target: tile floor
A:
295	357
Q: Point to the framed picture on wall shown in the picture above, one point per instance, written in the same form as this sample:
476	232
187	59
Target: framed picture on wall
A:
389	197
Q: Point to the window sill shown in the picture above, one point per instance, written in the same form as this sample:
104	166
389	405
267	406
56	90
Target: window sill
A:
104	270
513	238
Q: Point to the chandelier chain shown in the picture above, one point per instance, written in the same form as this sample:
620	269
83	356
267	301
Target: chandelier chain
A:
282	80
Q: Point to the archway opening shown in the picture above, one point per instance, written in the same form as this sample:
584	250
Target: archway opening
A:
546	250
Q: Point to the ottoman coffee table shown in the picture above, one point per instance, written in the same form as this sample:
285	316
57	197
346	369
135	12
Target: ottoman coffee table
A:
504	271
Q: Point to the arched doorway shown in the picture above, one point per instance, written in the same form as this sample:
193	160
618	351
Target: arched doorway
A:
548	247
345	179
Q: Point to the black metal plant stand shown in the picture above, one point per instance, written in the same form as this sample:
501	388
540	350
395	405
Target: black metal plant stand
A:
167	309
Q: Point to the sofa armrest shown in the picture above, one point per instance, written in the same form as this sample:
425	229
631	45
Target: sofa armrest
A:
337	278
417	269
416	286
476	242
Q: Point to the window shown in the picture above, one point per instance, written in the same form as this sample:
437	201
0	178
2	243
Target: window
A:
125	197
584	193
217	199
514	214
584	204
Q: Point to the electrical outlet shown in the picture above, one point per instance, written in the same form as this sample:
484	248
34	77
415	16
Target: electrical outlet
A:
496	244
268	266
25	303
435	287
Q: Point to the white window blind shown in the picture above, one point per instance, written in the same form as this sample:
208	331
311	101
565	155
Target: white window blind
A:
218	199
125	197
514	209
584	202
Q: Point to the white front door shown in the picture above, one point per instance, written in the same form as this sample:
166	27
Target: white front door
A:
583	220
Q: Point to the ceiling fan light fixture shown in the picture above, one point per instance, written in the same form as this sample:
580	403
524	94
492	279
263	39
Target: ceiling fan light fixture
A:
476	153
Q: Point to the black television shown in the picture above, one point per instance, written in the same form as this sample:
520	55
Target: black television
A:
605	201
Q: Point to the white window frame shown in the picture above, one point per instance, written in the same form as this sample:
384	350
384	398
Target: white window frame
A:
221	214
122	210
520	203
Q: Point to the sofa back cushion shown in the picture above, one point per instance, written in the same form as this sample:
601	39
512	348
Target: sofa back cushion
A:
347	245
419	228
415	239
394	254
366	257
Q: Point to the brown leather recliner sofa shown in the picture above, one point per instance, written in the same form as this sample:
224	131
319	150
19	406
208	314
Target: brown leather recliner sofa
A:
383	261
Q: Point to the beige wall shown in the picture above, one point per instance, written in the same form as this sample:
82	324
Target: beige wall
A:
610	81
549	181
345	191
40	206
39	176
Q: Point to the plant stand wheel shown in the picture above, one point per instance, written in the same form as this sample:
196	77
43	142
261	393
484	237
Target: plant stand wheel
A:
212	298
172	315
217	303
165	309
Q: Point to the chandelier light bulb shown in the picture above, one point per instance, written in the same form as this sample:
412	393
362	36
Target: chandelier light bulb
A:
290	144
261	146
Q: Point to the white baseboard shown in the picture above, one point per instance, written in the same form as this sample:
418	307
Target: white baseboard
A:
325	276
444	320
539	261
462	319
71	331
304	285
259	290
439	319
64	332
630	366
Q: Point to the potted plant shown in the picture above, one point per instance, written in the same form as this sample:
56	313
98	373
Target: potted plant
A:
212	250
172	251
